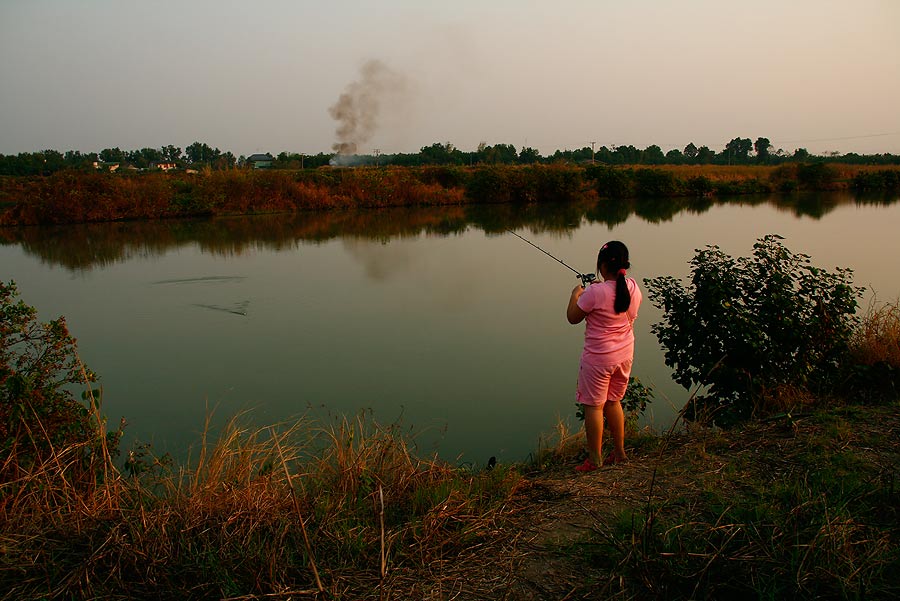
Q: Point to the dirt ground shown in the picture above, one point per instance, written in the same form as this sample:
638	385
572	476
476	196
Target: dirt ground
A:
532	553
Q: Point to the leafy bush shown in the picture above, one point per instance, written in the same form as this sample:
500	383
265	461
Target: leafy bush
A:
610	182
817	176
38	368
745	327
884	179
655	183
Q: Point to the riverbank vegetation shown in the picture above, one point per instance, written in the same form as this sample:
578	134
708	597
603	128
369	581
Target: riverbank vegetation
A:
199	155
84	246
800	500
81	197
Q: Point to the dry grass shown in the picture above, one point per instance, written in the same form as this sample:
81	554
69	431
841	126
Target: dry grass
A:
295	510
877	339
719	173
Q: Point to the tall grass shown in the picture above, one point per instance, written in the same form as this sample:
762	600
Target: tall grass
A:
80	197
345	508
877	339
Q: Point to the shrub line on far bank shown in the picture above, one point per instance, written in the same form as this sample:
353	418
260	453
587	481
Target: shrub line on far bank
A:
78	197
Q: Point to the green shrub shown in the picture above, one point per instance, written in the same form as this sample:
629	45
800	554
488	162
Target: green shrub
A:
610	182
699	185
817	176
655	183
39	367
744	328
884	179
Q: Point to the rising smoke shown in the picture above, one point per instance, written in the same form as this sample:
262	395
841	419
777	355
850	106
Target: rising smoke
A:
358	109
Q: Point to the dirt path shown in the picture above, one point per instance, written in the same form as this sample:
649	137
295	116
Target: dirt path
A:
557	516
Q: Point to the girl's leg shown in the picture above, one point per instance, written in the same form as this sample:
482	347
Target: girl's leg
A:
593	430
615	420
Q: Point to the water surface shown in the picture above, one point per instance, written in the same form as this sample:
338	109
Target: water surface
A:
435	318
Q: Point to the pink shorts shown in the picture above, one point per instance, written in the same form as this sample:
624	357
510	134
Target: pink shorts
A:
600	383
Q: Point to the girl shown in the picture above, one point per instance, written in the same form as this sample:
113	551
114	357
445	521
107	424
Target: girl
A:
610	308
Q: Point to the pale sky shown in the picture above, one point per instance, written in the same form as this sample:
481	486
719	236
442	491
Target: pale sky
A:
260	76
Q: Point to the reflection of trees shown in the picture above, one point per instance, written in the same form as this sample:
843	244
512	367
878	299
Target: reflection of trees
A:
88	245
611	212
657	210
881	199
811	204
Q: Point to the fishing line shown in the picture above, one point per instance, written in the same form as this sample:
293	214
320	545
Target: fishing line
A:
586	278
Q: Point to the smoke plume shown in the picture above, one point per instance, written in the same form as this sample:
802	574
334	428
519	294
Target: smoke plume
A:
358	109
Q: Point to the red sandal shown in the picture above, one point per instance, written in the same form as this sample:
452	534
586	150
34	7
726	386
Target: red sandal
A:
587	466
611	459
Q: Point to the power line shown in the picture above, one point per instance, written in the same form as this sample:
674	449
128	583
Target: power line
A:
891	133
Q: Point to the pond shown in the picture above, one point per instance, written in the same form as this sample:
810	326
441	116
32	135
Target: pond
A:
437	320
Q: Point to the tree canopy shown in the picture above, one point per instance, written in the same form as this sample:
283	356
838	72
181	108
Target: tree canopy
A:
738	151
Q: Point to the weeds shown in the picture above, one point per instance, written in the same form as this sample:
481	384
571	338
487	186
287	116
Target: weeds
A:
83	197
299	508
785	523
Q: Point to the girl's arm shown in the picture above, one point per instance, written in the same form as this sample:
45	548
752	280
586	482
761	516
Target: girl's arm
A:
574	313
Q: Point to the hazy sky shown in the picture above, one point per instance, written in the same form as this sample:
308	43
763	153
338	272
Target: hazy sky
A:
260	76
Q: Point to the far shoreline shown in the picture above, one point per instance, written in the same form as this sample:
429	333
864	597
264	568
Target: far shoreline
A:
70	197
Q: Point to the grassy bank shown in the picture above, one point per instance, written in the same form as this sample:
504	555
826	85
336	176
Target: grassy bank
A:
803	503
79	197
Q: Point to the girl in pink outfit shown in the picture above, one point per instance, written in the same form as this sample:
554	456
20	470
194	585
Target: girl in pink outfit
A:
609	308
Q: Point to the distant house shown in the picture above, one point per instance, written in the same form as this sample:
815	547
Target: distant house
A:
164	165
260	161
105	165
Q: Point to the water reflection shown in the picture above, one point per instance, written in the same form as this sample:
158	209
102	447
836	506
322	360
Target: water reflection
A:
85	246
437	315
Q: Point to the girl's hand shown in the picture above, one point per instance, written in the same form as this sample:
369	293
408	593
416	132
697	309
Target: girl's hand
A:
573	312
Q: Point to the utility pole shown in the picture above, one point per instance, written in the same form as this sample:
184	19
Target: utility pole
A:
377	154
592	152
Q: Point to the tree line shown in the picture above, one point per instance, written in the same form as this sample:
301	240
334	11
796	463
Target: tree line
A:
738	151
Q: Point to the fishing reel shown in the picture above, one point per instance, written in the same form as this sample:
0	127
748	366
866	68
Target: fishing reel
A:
587	279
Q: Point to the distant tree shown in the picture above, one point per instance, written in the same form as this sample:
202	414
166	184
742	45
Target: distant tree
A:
440	154
801	155
690	153
674	157
144	157
705	155
112	155
170	153
762	147
499	153
627	155
529	155
76	160
200	153
225	160
53	161
316	160
604	155
737	151
653	155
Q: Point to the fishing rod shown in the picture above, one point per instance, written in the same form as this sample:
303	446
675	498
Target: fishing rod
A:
586	278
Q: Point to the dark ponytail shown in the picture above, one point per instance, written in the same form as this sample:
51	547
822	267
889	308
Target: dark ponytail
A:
614	255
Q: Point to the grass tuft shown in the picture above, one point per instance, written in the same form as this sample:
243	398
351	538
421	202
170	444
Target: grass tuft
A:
300	508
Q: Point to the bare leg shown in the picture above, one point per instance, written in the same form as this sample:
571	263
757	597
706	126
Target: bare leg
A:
593	430
615	420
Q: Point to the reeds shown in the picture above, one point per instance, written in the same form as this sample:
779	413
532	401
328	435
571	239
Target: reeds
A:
877	339
82	197
297	509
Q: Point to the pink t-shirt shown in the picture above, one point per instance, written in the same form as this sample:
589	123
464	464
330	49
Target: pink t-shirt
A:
608	336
